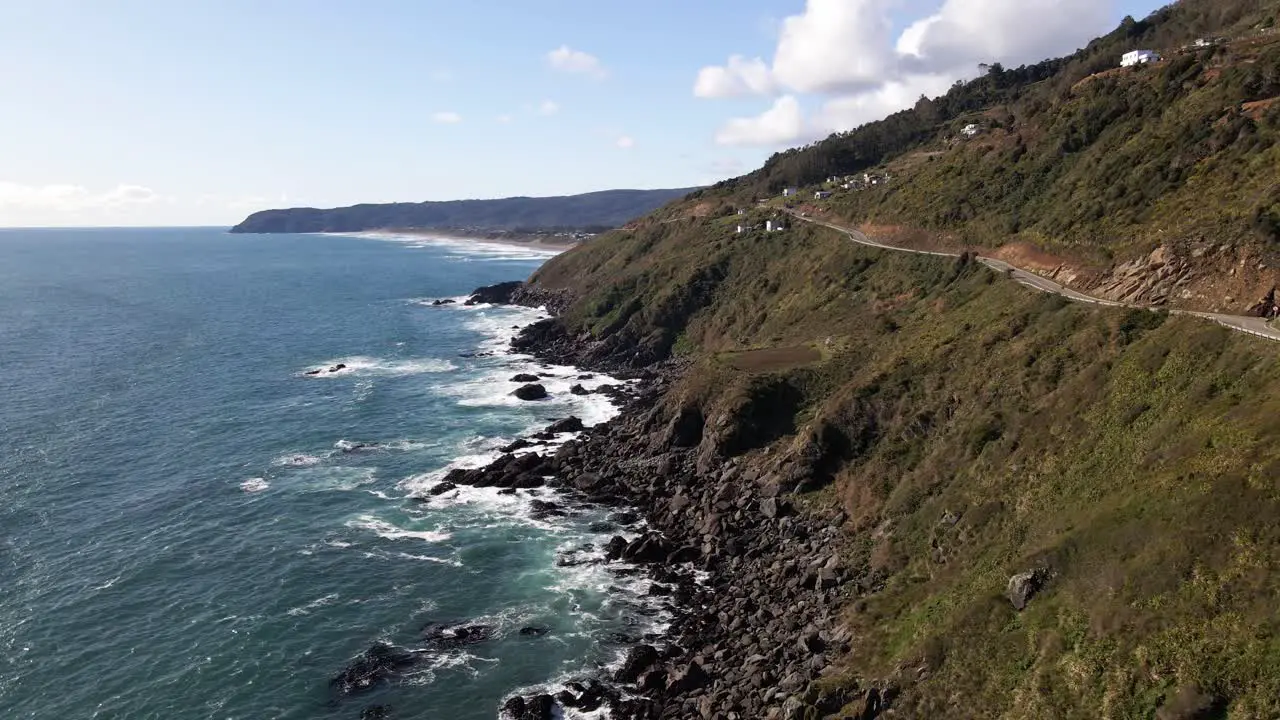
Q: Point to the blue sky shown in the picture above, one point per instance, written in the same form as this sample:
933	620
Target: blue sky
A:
120	112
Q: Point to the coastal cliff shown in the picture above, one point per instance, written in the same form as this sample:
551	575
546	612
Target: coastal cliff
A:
589	212
914	485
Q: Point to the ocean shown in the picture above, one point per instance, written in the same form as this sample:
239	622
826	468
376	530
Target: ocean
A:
191	526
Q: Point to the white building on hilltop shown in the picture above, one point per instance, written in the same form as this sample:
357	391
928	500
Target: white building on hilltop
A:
971	130
1137	57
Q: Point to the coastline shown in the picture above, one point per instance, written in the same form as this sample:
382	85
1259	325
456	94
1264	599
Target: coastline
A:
540	241
752	582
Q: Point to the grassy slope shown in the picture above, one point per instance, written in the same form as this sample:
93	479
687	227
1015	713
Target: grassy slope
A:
1132	455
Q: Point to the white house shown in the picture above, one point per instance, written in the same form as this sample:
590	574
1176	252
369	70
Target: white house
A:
970	130
741	229
774	226
789	192
1137	57
821	195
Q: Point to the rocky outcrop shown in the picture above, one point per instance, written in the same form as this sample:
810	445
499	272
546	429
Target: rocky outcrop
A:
532	391
499	294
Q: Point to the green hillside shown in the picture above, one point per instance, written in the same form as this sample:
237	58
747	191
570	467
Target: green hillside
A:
971	428
1074	155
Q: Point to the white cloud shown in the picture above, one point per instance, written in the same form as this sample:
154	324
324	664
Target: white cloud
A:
504	119
846	52
566	59
739	76
835	45
73	198
626	142
447	117
548	107
779	124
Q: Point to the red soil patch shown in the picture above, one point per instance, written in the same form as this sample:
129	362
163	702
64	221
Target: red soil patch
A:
1256	110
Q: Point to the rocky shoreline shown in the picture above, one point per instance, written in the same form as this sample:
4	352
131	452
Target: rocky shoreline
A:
755	583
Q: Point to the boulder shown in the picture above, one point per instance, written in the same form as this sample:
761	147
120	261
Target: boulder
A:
615	547
688	678
1022	587
532	391
647	548
567	425
639	659
339	366
579	390
441	488
444	301
525	378
312	372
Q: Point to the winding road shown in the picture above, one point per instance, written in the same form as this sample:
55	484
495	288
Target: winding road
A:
1242	323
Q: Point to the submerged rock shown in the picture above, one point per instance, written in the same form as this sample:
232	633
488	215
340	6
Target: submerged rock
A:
379	663
449	636
525	378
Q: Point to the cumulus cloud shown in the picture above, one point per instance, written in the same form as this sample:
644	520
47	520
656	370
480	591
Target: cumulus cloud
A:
566	59
625	142
447	117
739	76
845	51
779	124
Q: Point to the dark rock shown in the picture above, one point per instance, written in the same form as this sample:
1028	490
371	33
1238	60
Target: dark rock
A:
441	488
534	631
499	294
811	643
339	366
579	390
444	301
513	708
520	444
615	547
525	378
639	659
1023	587
449	636
375	665
624	518
620	638
567	425
648	548
312	372
690	677
532	391
543	509
539	707
652	681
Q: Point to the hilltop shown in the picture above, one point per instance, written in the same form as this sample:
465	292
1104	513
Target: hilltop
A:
917	485
1157	183
589	212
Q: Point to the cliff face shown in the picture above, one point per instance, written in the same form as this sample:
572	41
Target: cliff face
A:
591	211
1025	508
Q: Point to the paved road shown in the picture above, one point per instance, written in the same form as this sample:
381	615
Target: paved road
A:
1252	325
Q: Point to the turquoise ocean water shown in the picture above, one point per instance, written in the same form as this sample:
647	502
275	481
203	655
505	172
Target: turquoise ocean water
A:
192	527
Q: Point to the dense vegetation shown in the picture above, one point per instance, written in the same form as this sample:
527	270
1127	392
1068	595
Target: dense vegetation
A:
972	429
589	212
1075	154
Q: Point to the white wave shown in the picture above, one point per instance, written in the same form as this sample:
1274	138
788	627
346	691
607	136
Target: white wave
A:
384	529
254	485
313	605
343	479
363	365
465	248
299	460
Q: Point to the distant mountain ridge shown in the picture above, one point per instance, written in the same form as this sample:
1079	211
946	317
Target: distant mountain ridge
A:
588	212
